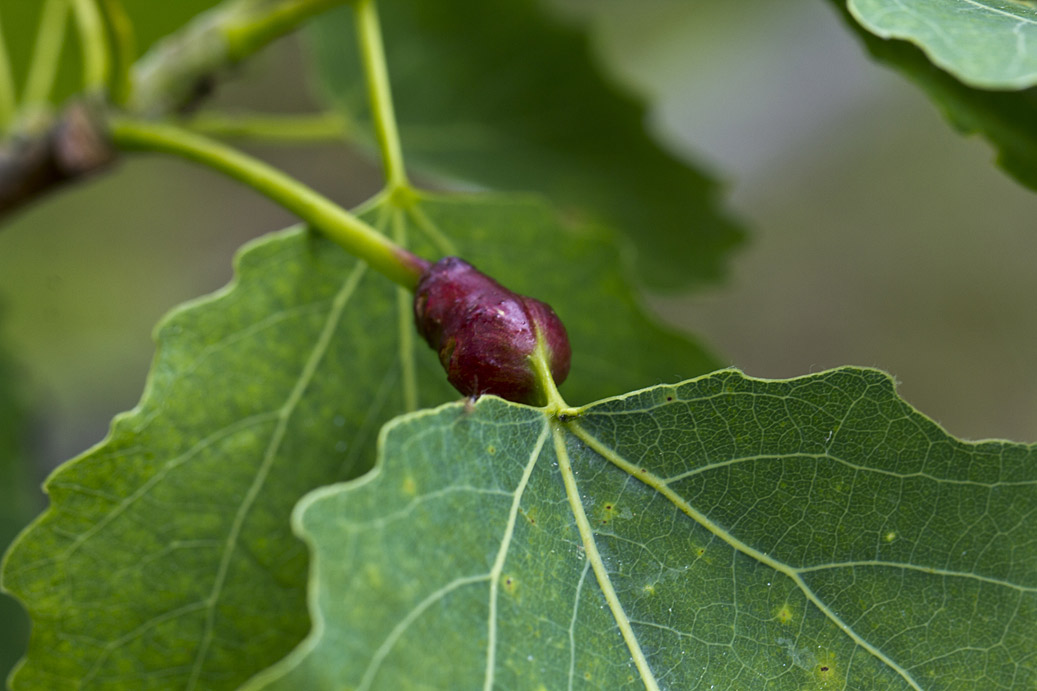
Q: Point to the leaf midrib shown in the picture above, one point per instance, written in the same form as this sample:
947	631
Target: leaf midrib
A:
596	562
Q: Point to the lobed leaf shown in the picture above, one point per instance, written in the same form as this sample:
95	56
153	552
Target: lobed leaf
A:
515	101
258	394
989	44
725	532
1005	118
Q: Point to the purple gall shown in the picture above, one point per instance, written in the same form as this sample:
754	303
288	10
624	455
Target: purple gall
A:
485	334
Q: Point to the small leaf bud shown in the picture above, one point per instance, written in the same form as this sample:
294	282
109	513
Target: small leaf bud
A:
486	334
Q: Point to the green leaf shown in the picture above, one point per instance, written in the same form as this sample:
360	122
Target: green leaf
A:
510	98
258	394
1004	118
725	532
986	43
16	504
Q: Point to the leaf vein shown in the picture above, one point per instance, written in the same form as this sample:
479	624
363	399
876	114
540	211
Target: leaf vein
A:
502	554
660	486
283	416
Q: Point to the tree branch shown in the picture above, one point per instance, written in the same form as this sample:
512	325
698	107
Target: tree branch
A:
172	77
75	146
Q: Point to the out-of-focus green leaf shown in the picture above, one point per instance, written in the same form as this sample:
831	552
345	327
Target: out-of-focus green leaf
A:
1005	118
16	507
723	533
502	95
984	43
166	559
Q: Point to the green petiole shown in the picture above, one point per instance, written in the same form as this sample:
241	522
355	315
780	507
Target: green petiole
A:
349	231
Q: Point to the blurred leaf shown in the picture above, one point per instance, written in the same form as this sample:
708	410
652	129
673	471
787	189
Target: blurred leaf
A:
501	94
813	533
16	506
268	389
1005	118
984	43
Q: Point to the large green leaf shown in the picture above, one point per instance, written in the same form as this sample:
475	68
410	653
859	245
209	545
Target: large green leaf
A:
166	559
1006	118
985	43
723	533
501	94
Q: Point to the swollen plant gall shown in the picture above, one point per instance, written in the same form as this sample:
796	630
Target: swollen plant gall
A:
486	334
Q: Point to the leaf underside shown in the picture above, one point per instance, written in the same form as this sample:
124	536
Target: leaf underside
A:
516	101
799	534
1005	118
271	388
985	43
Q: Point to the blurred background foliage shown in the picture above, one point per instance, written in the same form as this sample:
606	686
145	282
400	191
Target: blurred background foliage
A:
879	236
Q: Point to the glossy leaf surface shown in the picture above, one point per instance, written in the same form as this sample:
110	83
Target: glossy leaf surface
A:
266	390
725	532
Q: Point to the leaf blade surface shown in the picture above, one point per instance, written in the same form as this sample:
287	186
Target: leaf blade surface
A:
166	558
845	573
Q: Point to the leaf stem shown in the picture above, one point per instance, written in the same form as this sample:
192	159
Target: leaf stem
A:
356	236
172	74
259	23
94	41
372	53
317	127
555	404
123	49
46	54
8	100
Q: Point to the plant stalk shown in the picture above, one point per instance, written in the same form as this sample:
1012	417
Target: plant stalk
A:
353	234
8	100
278	129
46	55
94	40
123	43
181	69
372	52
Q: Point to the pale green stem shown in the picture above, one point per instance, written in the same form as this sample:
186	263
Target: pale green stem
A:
319	127
46	54
372	52
8	101
356	236
260	23
124	50
554	402
94	40
168	76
